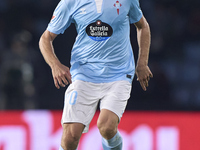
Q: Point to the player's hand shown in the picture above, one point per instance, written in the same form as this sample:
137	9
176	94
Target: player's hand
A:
143	76
61	75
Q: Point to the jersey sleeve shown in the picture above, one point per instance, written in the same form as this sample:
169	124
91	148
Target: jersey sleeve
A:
61	18
135	12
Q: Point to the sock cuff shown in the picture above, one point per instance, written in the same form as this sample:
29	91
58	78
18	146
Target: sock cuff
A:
61	148
113	142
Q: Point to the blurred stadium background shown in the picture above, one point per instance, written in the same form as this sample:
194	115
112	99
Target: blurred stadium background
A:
26	85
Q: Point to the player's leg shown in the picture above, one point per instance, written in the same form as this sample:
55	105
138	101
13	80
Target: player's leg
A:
71	135
79	108
107	124
113	104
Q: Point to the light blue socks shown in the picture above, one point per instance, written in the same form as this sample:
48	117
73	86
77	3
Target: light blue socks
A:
61	148
113	144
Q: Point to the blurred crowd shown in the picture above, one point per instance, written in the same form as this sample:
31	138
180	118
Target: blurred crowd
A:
26	81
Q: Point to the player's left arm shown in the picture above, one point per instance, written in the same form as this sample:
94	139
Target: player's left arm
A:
144	39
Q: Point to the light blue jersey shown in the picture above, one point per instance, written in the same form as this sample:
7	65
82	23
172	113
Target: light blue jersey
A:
102	51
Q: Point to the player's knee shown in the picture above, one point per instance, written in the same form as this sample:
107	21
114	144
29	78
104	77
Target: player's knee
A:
107	129
71	136
69	140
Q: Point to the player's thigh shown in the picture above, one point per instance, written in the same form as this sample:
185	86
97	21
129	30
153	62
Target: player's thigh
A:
116	98
81	101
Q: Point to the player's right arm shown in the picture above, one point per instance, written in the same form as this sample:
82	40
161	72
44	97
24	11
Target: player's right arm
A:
60	21
61	73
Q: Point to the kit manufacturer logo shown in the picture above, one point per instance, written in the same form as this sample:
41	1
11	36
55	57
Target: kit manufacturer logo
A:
83	11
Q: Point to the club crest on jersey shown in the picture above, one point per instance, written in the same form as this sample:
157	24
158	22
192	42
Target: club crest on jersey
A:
117	5
99	31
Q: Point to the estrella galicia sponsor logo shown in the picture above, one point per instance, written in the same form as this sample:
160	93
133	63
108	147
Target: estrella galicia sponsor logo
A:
99	31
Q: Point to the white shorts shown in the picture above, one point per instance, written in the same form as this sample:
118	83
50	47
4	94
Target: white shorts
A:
82	98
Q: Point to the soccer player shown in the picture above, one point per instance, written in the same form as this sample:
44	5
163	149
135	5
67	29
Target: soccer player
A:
102	65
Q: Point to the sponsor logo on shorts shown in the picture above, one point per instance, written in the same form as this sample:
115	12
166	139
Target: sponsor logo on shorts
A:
99	31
